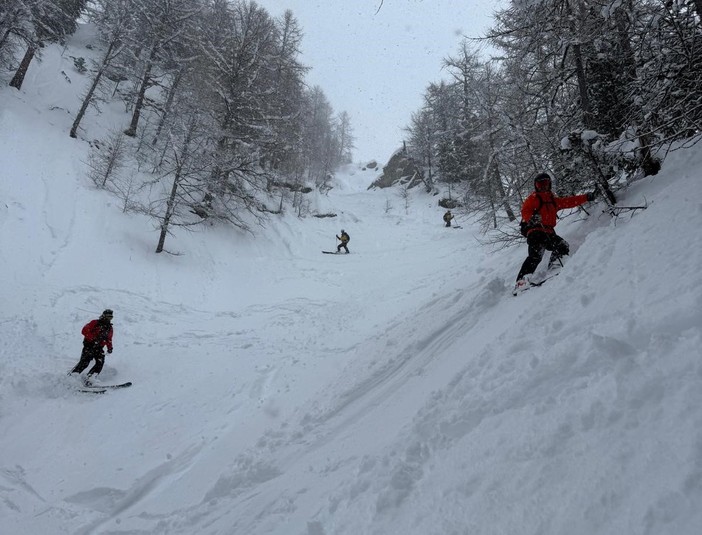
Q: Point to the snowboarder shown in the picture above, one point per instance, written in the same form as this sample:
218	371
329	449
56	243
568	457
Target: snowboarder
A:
448	216
97	334
538	221
344	238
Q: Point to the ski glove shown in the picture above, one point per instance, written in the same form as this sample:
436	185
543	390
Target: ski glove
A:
591	195
523	227
109	350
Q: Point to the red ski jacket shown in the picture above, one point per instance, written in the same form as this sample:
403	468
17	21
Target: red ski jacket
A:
546	205
97	333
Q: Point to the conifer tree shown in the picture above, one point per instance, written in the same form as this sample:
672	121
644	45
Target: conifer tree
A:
46	21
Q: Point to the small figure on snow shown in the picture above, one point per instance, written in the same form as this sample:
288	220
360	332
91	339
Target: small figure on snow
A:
97	335
538	221
344	239
448	216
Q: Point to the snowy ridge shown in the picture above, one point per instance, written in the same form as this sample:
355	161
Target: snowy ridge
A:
399	389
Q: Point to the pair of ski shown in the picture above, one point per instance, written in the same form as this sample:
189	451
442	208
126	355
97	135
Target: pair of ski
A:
101	389
535	284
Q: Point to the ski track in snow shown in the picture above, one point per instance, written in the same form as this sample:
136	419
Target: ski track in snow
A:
115	503
250	476
504	391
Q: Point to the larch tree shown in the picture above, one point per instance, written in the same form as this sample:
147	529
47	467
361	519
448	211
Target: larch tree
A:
285	118
161	24
47	21
115	22
345	139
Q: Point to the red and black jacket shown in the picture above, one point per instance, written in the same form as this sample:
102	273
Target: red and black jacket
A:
98	333
546	205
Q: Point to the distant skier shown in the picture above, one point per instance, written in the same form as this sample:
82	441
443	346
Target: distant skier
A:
97	334
344	239
448	216
538	221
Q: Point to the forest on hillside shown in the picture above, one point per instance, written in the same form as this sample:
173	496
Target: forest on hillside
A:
220	113
596	92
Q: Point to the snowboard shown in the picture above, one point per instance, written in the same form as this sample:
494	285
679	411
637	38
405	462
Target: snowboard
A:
334	252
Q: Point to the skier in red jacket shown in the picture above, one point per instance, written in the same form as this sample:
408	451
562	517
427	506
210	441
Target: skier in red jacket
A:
98	334
538	221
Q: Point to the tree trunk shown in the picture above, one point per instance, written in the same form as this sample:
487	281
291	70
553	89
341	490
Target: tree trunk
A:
600	180
114	155
172	199
500	188
169	103
131	131
170	208
649	164
493	161
86	103
430	178
582	86
18	78
107	59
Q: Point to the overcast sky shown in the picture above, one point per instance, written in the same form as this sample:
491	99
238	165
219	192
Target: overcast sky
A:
375	64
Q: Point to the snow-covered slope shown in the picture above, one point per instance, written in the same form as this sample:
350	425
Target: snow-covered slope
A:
399	389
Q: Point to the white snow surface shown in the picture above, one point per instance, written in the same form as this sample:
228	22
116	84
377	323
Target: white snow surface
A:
400	389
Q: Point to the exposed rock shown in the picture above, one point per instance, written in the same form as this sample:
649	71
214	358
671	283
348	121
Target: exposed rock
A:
401	169
449	204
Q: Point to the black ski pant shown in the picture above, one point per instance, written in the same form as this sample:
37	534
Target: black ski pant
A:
538	242
90	352
338	249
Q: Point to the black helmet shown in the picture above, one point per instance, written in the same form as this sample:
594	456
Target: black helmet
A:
542	182
107	313
342	231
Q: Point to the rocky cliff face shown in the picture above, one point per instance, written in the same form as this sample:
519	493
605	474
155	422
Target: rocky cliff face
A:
401	169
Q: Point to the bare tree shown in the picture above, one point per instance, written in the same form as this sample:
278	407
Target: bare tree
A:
161	26
345	139
106	159
182	165
404	194
115	18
